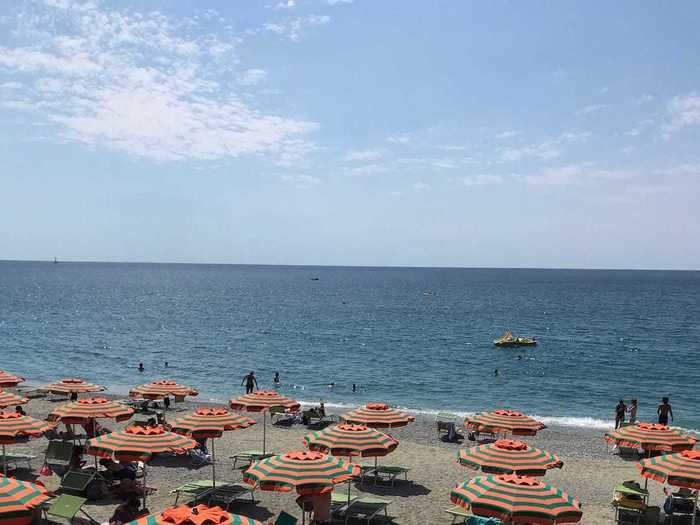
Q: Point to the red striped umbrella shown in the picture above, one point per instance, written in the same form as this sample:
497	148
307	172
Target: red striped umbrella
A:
18	499
505	421
90	408
73	386
9	380
350	440
262	401
17	428
162	388
306	471
210	423
516	499
378	415
138	443
506	456
8	399
650	436
198	515
678	470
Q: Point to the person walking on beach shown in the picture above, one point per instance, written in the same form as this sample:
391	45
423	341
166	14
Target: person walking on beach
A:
620	410
665	410
633	411
250	382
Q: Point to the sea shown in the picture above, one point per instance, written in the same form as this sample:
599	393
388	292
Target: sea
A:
417	338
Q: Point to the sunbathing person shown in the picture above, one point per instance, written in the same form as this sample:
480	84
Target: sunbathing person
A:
126	512
125	474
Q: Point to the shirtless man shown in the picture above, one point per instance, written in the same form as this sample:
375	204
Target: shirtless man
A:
665	410
250	382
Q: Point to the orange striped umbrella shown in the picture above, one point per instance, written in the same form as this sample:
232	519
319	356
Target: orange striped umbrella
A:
17	428
378	415
73	385
350	440
505	421
18	499
650	436
88	408
8	399
516	499
262	401
210	423
162	388
306	471
507	456
9	380
198	515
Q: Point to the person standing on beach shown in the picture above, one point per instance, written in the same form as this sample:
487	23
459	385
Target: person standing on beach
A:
665	410
250	382
633	411
620	410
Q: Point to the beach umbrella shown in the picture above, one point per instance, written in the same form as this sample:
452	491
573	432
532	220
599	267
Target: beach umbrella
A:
516	499
17	428
72	386
504	421
678	470
307	472
197	515
507	456
210	423
136	443
9	380
18	499
161	389
650	436
378	415
90	408
8	399
263	401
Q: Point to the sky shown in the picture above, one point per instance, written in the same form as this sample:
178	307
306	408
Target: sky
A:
351	132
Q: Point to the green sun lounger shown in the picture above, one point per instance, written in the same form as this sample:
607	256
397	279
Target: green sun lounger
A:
367	508
59	452
194	490
226	494
16	458
248	456
65	507
389	473
77	481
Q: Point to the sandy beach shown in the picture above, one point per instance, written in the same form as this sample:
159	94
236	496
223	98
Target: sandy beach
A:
590	470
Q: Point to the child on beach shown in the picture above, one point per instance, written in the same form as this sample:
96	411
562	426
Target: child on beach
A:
665	410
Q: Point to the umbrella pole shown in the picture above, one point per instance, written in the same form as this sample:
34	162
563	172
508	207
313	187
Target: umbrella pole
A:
144	485
94	435
264	429
213	464
695	507
4	461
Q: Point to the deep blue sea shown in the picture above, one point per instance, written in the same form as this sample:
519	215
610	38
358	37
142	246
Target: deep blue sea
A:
417	338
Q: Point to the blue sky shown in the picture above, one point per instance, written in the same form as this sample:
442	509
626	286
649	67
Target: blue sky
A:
445	133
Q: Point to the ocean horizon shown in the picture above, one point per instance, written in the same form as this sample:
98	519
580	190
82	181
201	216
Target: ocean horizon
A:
415	337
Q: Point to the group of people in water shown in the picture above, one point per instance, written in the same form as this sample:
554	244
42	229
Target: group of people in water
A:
664	412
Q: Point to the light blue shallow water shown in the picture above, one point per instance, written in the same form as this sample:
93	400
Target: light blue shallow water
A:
602	334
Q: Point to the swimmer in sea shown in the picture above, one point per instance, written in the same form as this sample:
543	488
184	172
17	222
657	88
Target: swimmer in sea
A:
495	373
140	367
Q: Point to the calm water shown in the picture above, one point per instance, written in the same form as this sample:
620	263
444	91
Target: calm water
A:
602	334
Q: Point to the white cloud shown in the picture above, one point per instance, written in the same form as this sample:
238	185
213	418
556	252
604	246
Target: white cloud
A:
683	170
10	85
453	147
367	170
363	155
431	162
302	182
546	150
251	77
507	134
576	174
628	150
399	139
421	186
293	28
592	108
480	180
644	99
288	4
338	2
132	81
683	111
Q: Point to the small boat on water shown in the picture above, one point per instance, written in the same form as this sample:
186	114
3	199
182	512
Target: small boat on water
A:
508	339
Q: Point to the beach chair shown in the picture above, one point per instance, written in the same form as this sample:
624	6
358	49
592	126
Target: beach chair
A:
77	481
389	474
445	422
13	460
59	453
459	515
192	491
248	456
64	508
227	494
367	508
285	519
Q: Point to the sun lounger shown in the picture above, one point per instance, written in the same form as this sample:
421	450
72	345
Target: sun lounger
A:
226	494
65	507
16	458
285	519
443	421
192	491
77	481
248	456
59	452
367	508
388	474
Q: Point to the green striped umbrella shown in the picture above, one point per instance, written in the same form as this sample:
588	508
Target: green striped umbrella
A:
350	440
17	428
507	456
651	436
18	499
504	421
516	499
308	472
72	385
678	470
198	515
8	399
378	415
90	408
8	379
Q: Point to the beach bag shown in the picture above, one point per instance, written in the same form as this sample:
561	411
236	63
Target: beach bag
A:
45	470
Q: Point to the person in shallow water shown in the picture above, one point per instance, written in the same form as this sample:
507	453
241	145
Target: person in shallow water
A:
665	410
620	410
276	379
633	411
140	367
250	382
